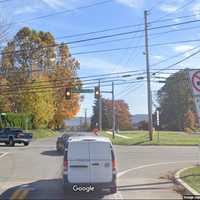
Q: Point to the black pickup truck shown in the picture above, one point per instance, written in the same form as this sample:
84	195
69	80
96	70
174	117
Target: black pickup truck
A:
10	136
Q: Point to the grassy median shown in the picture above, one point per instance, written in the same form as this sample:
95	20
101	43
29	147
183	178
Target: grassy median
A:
192	177
163	138
43	133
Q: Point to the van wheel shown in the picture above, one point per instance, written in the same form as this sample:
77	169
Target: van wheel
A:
26	143
11	142
113	190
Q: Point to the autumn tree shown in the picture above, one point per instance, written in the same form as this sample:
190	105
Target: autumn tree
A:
176	103
37	71
123	116
66	72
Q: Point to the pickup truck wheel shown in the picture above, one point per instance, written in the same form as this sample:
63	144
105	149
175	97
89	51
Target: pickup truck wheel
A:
26	143
11	142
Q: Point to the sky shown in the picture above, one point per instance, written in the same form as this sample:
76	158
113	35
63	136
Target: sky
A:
79	16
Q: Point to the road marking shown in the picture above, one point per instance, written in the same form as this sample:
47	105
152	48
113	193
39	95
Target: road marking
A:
20	194
150	165
118	135
120	174
118	195
24	194
15	195
4	154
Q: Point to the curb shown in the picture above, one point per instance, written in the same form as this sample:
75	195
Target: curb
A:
185	185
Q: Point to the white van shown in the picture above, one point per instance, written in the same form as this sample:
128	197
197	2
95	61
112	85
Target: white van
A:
89	165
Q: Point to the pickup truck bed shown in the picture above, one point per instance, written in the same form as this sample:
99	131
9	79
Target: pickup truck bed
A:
10	136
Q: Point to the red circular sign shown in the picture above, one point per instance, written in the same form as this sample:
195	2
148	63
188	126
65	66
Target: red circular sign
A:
196	81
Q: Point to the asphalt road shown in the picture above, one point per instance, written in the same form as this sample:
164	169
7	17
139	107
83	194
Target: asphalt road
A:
34	172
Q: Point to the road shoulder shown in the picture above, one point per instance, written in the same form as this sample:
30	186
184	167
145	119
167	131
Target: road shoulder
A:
188	188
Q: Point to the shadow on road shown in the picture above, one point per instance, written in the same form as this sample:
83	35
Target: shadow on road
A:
45	189
52	153
147	186
16	145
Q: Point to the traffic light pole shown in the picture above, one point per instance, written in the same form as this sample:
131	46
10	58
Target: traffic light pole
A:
113	111
100	109
148	78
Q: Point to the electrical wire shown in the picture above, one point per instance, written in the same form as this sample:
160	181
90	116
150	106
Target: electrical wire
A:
180	61
102	37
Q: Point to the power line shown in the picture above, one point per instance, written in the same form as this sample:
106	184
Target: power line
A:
63	12
129	38
91	77
5	1
174	56
121	27
133	47
34	90
105	36
182	60
178	9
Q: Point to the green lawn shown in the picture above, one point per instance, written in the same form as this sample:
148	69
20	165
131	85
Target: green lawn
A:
165	138
192	177
43	133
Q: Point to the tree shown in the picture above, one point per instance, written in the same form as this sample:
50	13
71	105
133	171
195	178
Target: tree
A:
66	72
37	71
143	125
123	116
176	101
38	103
190	122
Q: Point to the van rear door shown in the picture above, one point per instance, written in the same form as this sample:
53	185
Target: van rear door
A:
79	164
100	162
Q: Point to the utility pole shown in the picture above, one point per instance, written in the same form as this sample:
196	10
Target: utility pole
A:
113	110
85	119
148	77
100	108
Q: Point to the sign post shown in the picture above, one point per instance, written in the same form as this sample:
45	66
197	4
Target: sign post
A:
158	124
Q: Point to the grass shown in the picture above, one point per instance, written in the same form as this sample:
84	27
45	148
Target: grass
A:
192	177
165	138
43	133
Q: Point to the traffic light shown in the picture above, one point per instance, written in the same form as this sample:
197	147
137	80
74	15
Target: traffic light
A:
97	92
68	93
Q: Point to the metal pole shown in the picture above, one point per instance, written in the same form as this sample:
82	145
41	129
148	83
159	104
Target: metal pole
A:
113	111
158	124
148	78
100	108
85	119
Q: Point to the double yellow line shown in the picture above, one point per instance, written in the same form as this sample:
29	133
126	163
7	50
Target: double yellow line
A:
19	194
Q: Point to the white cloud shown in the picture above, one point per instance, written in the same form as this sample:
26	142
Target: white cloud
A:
196	10
26	9
183	48
100	65
157	58
131	3
54	3
168	8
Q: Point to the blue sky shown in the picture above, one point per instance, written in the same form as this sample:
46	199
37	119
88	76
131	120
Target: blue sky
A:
108	15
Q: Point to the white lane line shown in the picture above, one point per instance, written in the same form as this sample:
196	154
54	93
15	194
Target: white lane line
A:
119	195
122	136
151	165
4	154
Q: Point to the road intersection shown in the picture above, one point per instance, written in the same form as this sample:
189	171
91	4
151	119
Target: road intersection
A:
34	172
